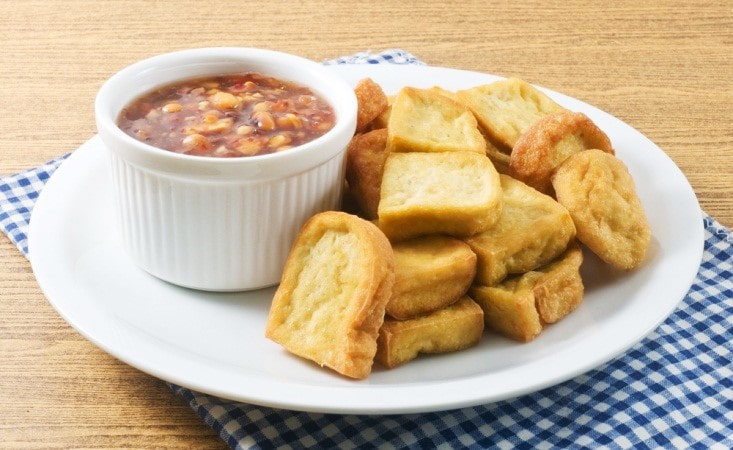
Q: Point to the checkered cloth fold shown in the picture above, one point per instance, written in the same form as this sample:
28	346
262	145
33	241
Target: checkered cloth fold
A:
672	390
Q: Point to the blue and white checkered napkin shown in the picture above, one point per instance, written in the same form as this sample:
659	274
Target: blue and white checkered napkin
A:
672	390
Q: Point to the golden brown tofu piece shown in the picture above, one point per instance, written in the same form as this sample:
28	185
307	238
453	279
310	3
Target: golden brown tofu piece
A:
521	306
382	120
371	101
598	190
425	120
431	273
506	109
453	193
365	157
551	140
331	300
532	230
456	327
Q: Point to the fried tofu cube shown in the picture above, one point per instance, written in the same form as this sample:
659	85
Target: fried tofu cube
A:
549	142
599	192
520	307
330	303
532	230
431	273
453	193
505	109
425	120
382	120
371	101
365	157
456	327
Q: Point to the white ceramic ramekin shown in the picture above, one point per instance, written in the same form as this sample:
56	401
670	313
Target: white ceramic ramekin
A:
220	224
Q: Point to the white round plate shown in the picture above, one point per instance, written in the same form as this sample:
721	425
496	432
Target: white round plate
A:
214	343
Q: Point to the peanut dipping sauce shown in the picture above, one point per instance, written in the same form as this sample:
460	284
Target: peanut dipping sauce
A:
228	116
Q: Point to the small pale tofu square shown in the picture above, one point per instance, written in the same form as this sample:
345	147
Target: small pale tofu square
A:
532	230
505	109
431	272
453	193
456	327
521	306
425	120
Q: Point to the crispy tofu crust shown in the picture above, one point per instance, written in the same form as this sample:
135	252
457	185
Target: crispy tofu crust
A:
427	120
506	109
456	327
532	230
520	307
598	190
331	300
365	159
453	193
382	120
547	143
371	102
431	273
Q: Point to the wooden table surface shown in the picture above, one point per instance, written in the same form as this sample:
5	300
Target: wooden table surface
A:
664	67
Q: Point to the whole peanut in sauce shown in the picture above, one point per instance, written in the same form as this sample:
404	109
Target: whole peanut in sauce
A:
228	116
